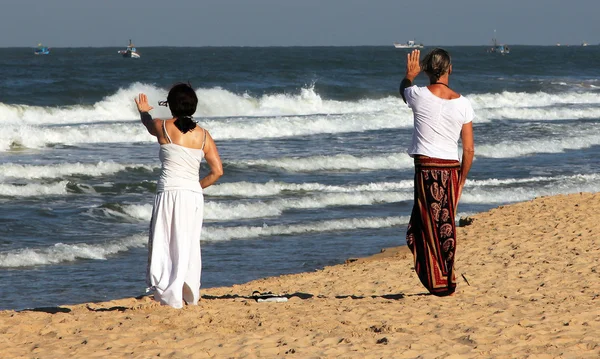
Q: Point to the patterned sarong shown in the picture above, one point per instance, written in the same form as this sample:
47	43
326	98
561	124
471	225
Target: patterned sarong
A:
431	234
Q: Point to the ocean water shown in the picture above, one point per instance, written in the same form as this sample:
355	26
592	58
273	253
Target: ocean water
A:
313	142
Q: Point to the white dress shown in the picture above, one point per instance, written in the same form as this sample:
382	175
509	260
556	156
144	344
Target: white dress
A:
174	262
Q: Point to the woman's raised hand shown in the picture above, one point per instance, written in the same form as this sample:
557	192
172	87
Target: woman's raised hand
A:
142	103
413	68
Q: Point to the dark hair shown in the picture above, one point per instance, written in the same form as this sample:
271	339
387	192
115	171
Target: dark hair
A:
183	101
436	63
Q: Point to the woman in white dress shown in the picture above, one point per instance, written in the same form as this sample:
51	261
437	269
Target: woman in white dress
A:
174	262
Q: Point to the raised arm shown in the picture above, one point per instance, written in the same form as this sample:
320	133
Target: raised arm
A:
211	154
468	146
413	68
144	110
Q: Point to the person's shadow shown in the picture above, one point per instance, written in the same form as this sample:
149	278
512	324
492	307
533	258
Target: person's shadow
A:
300	295
237	296
49	310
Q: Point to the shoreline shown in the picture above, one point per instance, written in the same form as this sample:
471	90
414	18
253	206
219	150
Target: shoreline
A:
533	290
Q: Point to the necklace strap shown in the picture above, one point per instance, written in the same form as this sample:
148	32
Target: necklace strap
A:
440	83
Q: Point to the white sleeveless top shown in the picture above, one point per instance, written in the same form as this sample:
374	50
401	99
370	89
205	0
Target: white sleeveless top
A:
180	166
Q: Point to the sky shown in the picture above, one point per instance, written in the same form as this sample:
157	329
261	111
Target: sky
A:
98	23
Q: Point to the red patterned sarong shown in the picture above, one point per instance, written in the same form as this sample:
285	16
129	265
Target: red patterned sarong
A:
431	234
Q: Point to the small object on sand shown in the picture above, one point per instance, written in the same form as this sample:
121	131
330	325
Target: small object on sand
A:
268	297
272	299
383	341
465	221
465	278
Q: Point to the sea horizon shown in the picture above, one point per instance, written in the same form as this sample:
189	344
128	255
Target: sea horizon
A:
580	44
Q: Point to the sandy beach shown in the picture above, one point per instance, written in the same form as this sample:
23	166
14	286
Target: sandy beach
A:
528	287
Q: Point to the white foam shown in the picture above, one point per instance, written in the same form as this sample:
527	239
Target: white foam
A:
509	149
536	114
138	211
524	100
487	191
31	136
37	137
476	191
222	103
277	127
229	211
538	106
340	162
109	213
217	102
33	189
117	107
323	196
59	170
272	188
241	116
520	194
247	232
61	252
213	102
575	179
226	211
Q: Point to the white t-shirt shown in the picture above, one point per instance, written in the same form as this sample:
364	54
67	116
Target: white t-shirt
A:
437	123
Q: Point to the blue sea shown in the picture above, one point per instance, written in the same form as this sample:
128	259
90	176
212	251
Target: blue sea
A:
313	141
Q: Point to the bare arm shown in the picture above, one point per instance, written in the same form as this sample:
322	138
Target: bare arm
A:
211	154
413	68
468	146
144	109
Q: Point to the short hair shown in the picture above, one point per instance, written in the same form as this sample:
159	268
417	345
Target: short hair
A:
436	63
182	100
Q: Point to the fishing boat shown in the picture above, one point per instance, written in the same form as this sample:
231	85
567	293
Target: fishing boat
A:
130	51
41	50
498	48
410	44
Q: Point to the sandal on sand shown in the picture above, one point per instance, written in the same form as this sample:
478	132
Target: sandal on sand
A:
268	297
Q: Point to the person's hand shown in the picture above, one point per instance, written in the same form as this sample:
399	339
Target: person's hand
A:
142	103
413	68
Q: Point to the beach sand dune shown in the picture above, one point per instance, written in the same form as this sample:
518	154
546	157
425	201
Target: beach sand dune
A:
533	292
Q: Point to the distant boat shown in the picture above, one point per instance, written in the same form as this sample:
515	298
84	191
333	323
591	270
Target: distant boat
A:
130	51
410	44
41	50
498	48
